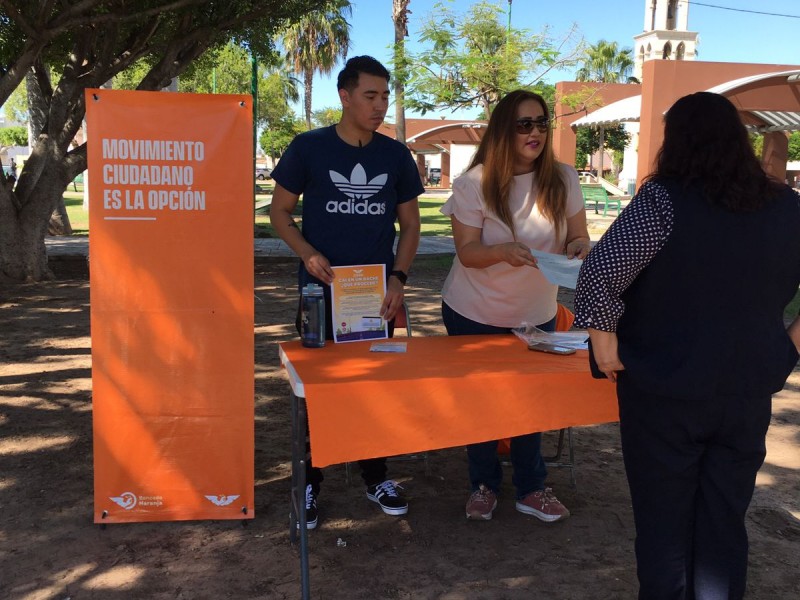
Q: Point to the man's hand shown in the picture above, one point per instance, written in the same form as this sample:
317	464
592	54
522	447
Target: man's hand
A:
319	267
393	300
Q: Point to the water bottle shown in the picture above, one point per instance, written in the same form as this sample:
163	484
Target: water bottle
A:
313	315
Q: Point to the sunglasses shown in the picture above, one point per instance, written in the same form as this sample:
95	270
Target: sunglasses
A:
527	124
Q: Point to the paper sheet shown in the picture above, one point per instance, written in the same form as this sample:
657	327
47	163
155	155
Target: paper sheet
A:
357	294
558	269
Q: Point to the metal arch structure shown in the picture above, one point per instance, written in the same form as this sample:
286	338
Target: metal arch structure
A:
432	136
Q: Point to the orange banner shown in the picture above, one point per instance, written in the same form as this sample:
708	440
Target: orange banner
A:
171	260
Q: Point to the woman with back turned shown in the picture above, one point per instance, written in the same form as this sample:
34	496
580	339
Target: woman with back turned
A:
684	298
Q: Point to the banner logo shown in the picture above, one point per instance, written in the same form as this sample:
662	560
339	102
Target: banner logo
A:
127	500
222	500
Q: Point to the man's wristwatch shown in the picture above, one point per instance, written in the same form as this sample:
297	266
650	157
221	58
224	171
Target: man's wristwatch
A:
400	275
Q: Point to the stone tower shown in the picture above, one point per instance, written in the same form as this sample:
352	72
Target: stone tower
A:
665	35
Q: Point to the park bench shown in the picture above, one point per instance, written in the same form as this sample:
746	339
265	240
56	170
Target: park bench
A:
595	194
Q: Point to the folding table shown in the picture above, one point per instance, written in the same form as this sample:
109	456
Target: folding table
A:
442	392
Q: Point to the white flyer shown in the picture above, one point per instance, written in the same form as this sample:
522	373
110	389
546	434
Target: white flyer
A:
557	268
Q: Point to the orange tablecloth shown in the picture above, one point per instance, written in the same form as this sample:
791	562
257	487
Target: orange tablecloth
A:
442	392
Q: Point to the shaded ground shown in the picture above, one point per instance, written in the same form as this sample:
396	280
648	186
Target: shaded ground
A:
49	547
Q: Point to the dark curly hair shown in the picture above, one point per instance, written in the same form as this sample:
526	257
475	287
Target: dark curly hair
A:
706	144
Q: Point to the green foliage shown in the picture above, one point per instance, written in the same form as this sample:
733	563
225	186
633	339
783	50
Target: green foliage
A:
229	70
130	78
473	60
275	92
314	43
226	70
16	107
606	62
13	136
275	139
70	46
327	116
96	40
757	141
794	146
588	142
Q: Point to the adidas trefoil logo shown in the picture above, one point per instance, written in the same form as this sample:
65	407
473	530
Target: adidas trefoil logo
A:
357	187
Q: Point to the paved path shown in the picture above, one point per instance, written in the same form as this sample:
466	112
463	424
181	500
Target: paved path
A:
78	246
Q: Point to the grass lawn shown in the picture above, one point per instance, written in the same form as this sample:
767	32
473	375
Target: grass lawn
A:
78	218
434	223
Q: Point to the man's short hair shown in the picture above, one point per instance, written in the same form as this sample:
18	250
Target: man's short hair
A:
348	77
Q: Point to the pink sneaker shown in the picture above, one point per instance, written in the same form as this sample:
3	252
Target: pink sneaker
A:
543	505
481	504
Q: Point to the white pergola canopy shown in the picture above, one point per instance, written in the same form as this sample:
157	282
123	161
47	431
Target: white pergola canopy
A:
623	111
629	109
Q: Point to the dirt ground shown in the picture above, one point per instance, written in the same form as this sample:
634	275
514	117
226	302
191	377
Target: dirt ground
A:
49	547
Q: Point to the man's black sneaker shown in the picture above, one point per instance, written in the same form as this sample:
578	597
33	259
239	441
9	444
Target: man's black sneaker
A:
311	508
387	496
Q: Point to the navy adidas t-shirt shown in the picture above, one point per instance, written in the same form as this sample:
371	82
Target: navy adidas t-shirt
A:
350	194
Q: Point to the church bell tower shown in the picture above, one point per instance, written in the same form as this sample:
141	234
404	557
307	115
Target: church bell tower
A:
665	35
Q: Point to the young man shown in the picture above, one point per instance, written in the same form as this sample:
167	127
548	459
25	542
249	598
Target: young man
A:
355	184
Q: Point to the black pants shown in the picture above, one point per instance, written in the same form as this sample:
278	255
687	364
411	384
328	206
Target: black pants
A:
691	467
373	470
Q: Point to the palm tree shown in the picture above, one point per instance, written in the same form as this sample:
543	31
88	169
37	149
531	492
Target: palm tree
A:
316	42
400	17
606	62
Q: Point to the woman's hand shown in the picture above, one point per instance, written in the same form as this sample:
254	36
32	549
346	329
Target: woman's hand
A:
515	254
604	348
577	245
578	248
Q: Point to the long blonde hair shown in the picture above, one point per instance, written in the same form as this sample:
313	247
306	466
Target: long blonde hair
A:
497	154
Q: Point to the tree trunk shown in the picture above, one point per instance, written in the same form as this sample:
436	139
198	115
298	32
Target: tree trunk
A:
307	83
25	211
38	109
487	108
23	255
400	17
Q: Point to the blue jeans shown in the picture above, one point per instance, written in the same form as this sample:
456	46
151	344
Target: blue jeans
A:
530	471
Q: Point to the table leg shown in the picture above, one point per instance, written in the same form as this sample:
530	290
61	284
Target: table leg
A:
297	512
